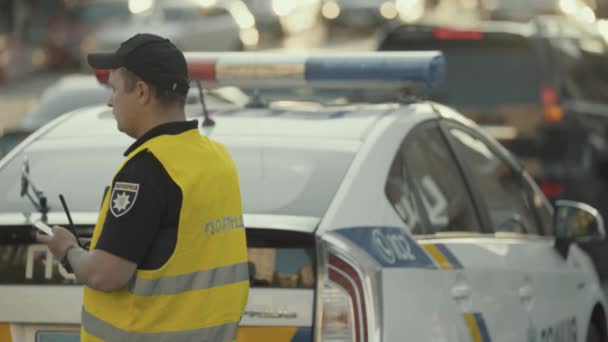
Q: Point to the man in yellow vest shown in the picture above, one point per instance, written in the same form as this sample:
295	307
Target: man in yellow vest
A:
168	257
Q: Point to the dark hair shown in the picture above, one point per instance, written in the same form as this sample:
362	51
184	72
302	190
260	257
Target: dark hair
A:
166	98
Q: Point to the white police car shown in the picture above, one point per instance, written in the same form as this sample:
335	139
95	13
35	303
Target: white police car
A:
392	221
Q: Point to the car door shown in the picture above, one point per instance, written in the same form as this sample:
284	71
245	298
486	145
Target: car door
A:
436	205
430	313
543	282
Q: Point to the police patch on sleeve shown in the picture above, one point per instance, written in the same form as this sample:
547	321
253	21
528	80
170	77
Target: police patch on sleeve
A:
124	196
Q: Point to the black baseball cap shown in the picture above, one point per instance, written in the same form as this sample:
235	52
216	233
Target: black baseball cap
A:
153	58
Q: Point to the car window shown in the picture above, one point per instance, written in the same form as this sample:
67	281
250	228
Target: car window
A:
60	172
58	168
280	258
501	187
400	195
281	267
541	205
438	184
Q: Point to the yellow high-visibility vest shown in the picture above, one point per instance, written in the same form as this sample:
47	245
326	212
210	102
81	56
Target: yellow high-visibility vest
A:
200	293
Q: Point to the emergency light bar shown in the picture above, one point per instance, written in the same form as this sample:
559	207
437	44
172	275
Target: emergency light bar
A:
337	71
264	70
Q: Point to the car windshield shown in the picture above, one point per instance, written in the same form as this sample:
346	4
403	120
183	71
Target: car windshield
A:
482	73
285	183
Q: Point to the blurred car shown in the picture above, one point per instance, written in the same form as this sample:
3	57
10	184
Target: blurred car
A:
266	19
210	25
360	14
297	16
69	35
518	10
68	93
284	17
357	213
540	87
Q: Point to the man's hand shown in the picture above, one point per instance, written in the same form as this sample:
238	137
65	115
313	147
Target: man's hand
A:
99	270
61	239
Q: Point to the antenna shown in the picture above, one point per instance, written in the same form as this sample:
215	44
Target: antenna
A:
71	227
208	121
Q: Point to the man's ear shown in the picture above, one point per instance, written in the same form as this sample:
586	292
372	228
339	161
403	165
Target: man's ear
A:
144	92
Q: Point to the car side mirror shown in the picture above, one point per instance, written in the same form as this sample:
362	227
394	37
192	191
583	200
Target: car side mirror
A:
576	221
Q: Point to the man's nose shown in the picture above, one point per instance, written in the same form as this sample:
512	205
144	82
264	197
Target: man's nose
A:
110	104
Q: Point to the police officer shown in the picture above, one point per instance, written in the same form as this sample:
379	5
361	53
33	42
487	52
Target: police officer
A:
168	257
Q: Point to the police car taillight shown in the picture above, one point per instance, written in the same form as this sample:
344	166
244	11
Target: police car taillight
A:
344	308
338	314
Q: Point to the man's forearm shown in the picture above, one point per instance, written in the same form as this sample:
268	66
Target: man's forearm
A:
100	270
80	261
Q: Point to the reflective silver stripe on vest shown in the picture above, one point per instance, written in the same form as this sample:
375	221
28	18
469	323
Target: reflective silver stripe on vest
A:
189	282
110	333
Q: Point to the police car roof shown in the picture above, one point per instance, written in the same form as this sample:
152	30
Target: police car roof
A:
288	121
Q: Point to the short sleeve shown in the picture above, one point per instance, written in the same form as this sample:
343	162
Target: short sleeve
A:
138	204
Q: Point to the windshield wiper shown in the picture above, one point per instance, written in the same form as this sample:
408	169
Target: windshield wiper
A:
36	196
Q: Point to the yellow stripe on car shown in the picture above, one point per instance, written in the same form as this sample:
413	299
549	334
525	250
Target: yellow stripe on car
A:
5	332
267	334
440	259
473	327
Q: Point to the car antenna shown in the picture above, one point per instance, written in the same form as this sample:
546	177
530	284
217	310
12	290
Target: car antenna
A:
71	227
208	121
40	202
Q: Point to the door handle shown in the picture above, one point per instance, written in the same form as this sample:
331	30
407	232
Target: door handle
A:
461	292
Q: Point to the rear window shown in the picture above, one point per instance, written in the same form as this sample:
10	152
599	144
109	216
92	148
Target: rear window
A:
281	259
481	72
60	172
275	182
277	259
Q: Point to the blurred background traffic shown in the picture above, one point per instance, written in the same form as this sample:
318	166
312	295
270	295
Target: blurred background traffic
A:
533	73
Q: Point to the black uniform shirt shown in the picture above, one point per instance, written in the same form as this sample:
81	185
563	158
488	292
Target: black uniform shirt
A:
143	213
